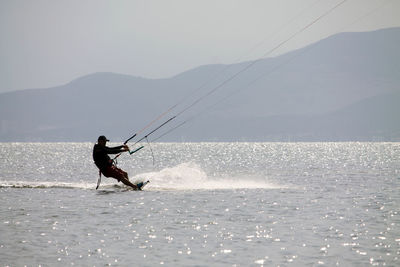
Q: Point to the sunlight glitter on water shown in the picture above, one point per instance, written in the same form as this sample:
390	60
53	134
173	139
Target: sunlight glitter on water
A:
224	204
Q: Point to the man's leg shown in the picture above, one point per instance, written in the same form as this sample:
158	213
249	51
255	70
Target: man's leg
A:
120	175
127	182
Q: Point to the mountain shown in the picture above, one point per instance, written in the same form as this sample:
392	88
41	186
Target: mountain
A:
343	88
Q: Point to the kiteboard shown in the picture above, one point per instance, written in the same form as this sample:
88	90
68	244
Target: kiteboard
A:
142	184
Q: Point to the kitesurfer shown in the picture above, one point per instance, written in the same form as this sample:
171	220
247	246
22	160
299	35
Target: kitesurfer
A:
105	163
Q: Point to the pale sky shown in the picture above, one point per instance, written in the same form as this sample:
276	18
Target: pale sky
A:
45	43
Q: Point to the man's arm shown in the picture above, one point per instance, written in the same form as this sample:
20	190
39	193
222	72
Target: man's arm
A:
116	149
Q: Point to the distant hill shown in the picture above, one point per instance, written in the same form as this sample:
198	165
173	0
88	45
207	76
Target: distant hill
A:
343	88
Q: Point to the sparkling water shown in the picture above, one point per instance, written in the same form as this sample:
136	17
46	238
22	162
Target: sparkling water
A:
208	204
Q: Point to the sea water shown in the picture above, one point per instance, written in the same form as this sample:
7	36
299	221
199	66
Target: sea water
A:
208	204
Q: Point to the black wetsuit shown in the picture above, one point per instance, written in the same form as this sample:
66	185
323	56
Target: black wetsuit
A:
100	155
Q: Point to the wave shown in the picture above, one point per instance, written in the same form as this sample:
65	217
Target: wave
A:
46	184
190	176
185	176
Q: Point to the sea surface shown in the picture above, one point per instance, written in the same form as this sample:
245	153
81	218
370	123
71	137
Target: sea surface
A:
207	204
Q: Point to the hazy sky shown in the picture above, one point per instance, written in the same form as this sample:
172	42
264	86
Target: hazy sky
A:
46	43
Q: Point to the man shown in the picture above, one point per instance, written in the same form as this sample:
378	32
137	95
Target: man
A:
105	163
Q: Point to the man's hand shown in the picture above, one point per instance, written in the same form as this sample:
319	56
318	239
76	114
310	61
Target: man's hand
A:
125	148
